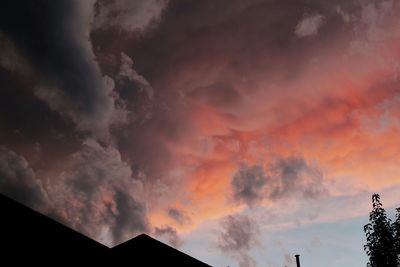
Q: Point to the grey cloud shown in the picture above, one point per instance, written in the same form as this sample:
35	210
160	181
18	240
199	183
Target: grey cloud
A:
127	71
345	16
178	215
97	192
128	15
248	184
130	216
294	176
237	237
18	180
309	25
285	177
239	233
169	234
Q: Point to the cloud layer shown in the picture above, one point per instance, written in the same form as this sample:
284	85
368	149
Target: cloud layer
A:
120	117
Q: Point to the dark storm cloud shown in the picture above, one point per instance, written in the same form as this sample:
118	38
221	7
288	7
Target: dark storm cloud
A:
284	178
18	180
26	120
238	235
169	234
98	194
47	55
21	111
53	37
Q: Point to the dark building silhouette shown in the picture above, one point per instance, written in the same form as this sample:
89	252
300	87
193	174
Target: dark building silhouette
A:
155	252
28	237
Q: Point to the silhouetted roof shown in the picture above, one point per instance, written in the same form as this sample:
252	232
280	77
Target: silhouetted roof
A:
154	251
28	237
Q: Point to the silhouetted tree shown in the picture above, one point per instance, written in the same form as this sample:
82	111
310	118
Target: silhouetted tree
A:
396	232
380	245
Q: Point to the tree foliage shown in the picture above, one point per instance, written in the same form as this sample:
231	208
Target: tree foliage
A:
396	233
380	235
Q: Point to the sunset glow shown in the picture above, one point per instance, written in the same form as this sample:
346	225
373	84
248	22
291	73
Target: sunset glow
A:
182	119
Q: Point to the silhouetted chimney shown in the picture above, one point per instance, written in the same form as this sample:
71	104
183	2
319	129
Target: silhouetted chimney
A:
297	260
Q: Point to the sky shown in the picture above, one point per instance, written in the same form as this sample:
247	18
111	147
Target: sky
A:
240	132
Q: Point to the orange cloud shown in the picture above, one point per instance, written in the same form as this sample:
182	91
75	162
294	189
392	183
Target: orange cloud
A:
339	111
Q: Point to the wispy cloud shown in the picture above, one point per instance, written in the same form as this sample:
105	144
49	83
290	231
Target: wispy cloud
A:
237	237
309	25
168	234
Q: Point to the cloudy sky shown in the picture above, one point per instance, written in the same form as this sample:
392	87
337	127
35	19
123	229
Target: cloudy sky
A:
241	132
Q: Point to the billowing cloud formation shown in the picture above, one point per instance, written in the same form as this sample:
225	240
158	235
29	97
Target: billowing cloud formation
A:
238	236
54	40
285	177
18	180
128	15
98	194
205	101
168	234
